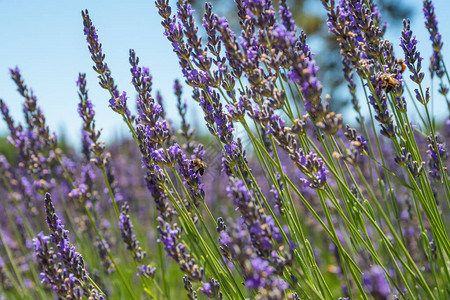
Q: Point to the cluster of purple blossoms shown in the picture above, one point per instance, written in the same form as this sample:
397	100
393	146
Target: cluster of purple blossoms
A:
233	55
278	46
358	29
128	235
118	100
408	43
191	294
169	237
89	134
357	24
431	23
149	113
119	104
191	171
212	289
148	110
147	271
437	154
404	159
218	123
258	272
97	55
65	269
73	260
34	117
263	232
158	149
358	146
309	164
152	130
313	165
35	144
53	273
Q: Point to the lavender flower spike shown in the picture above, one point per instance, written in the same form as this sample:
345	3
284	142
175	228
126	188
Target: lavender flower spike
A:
408	43
435	37
128	236
73	260
95	48
62	282
212	289
147	271
66	266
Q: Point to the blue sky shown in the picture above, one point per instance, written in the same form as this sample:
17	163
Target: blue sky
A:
45	39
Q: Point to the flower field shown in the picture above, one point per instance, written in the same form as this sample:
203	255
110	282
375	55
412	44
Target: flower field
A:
271	196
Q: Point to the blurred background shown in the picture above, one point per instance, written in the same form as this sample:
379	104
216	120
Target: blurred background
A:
45	40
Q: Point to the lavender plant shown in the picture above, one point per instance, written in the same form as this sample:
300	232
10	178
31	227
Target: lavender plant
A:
303	207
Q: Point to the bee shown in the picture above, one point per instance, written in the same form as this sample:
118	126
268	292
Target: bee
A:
199	166
401	65
389	82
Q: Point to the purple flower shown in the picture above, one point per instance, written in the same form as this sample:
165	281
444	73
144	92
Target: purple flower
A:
212	289
408	43
158	155
119	104
41	241
261	271
304	73
315	168
437	153
206	288
95	48
262	228
128	236
64	270
286	17
375	282
147	271
177	251
260	274
174	151
74	193
73	260
431	24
